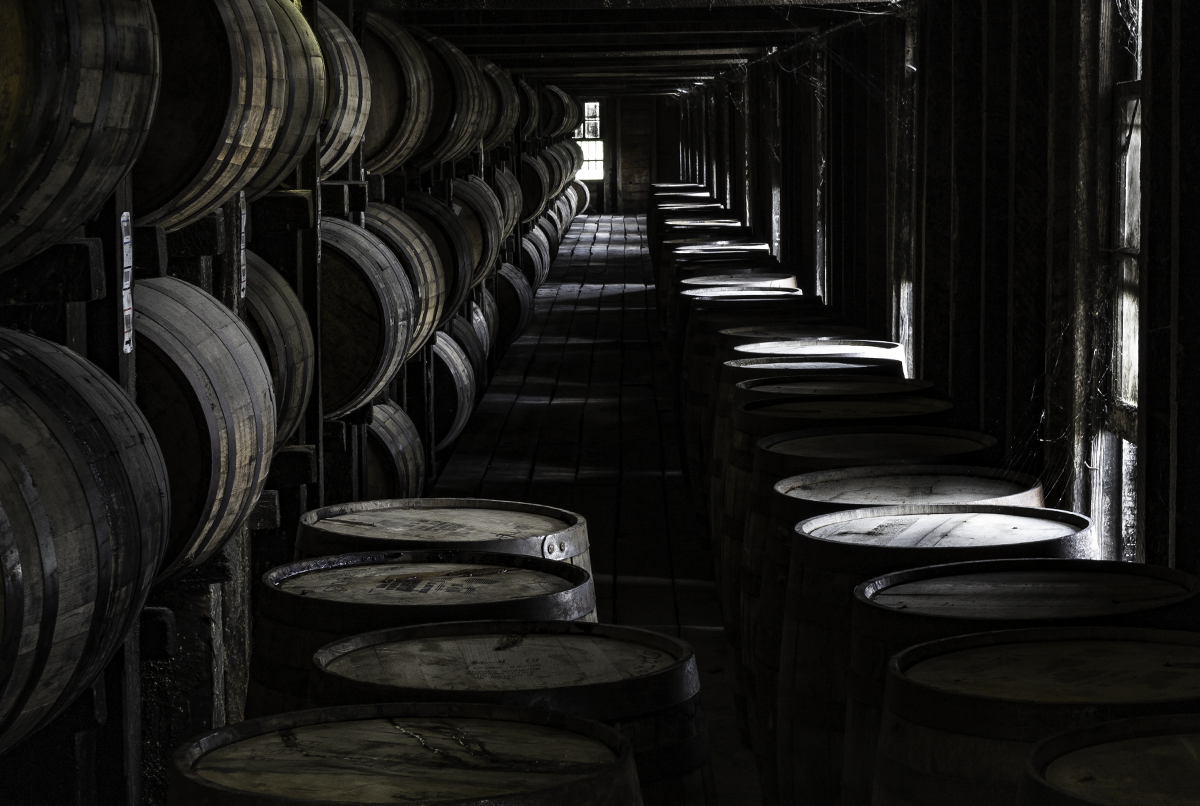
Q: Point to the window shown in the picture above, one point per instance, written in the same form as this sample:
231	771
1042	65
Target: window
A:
1114	449
588	136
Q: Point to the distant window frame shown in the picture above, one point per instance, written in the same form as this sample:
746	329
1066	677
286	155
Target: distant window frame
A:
590	139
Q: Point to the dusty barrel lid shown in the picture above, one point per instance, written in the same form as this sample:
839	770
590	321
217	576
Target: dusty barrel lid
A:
866	348
949	532
603	672
1031	589
729	337
875	445
704	295
407	753
755	368
1145	760
443	523
702	222
813	386
1022	685
892	485
783	413
377	590
763	280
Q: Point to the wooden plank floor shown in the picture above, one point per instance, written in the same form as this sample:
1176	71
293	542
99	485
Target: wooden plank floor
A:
578	415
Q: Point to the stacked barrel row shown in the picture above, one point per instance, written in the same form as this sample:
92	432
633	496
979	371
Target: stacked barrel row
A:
105	496
912	625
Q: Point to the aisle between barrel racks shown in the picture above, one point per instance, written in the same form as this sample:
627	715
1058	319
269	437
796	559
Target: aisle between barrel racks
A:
578	415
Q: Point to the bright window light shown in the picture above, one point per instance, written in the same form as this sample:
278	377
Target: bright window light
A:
588	136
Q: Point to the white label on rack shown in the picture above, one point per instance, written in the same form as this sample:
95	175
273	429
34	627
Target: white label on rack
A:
127	281
242	246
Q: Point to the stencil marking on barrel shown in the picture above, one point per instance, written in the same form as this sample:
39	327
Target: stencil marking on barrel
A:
448	523
960	529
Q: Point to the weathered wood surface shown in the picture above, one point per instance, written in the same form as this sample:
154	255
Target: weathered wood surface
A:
417	252
470	523
401	94
224	92
831	555
84	491
366	316
300	116
206	389
481	214
508	190
347	92
1150	760
310	603
280	326
402	754
395	461
642	684
77	114
976	705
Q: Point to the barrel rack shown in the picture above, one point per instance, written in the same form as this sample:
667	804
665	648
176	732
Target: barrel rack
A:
184	668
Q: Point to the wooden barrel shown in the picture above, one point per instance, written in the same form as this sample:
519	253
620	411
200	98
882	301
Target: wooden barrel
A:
1142	760
84	491
224	87
491	316
767	552
583	195
81	91
371	754
552	111
641	683
514	300
453	391
570	202
977	705
535	266
481	325
851	348
452	244
206	389
541	242
469	524
304	107
480	213
395	461
401	94
732	496
307	604
549	229
348	92
507	106
528	118
899	610
366	316
458	104
465	336
535	187
556	167
418	254
831	555
508	191
694	300
277	320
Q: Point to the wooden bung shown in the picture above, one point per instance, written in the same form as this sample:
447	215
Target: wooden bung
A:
404	753
898	610
641	683
831	555
309	603
962	715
